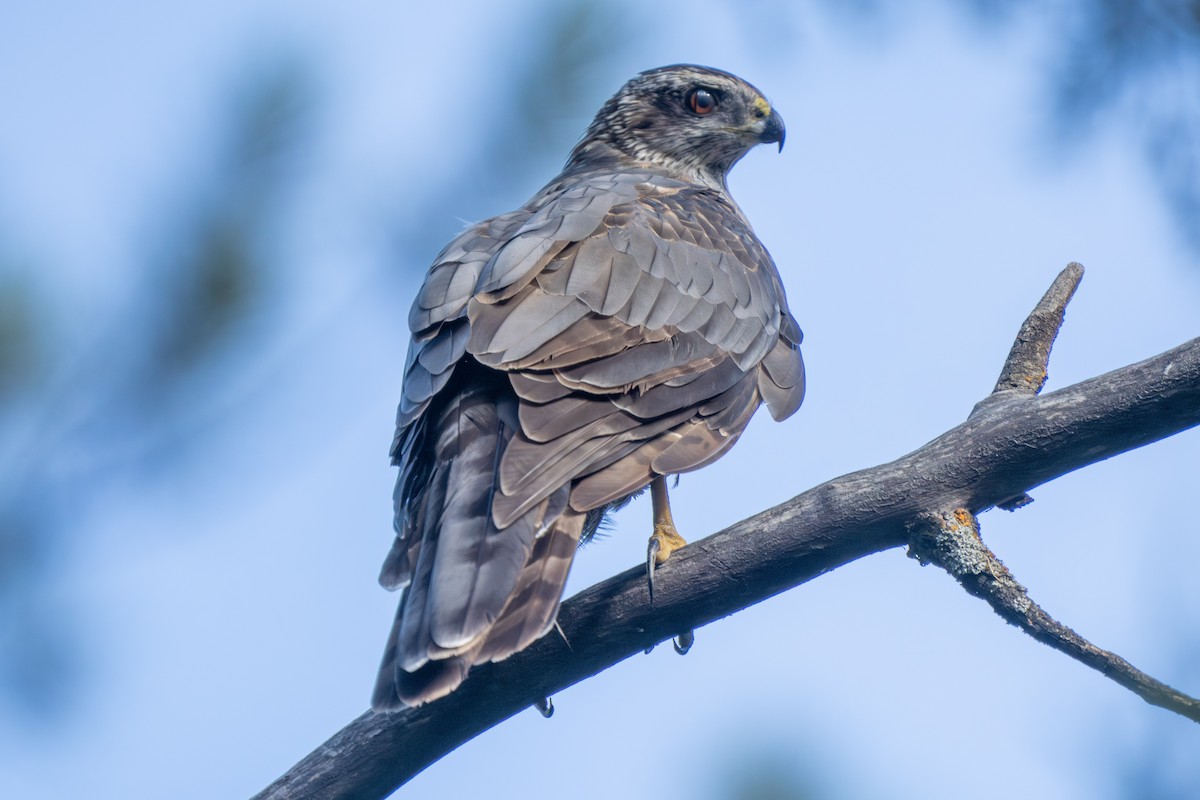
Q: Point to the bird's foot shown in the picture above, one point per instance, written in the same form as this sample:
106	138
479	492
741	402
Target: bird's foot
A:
682	643
664	541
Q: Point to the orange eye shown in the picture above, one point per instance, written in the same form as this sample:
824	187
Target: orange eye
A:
701	101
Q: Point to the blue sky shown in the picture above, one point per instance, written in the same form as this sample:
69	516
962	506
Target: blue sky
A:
229	612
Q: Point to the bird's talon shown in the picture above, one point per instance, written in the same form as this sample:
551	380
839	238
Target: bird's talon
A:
545	707
683	642
651	552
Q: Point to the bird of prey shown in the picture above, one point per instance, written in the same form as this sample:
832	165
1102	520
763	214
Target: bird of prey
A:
620	327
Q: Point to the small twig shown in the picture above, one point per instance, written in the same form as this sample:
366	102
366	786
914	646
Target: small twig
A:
951	541
1025	369
1028	363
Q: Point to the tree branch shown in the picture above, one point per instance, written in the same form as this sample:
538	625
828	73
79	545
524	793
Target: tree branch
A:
951	540
1027	366
1011	443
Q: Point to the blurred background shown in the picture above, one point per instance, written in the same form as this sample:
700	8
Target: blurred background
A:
212	220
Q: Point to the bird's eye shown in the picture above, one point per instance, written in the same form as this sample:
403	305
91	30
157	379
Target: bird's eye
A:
701	101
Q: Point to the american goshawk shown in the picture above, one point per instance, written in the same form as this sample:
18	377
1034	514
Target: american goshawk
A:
622	326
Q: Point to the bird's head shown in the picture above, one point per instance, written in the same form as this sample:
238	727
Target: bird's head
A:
694	122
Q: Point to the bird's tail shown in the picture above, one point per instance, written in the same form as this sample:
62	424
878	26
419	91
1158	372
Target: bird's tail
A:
475	592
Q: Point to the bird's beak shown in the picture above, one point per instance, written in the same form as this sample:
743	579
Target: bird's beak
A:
773	130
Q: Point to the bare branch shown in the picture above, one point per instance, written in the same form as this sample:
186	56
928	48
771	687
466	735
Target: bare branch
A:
1028	363
1002	451
1025	369
951	541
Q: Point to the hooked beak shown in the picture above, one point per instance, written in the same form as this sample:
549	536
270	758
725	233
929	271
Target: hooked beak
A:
773	130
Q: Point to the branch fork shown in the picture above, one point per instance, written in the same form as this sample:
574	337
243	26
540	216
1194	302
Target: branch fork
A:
951	539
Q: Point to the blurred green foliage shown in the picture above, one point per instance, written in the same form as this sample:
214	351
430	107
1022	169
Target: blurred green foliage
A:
1129	67
1136	64
187	319
20	335
768	773
219	269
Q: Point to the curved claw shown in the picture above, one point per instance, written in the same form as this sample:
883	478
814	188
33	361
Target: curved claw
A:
651	555
683	642
545	707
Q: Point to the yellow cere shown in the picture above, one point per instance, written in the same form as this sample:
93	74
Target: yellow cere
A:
762	106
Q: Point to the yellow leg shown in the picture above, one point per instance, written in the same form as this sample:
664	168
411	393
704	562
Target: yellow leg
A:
665	539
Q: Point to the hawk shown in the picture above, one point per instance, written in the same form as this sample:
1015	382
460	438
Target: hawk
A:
620	327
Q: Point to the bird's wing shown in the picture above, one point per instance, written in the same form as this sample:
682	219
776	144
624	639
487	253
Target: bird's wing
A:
498	255
632	325
476	589
481	259
640	347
